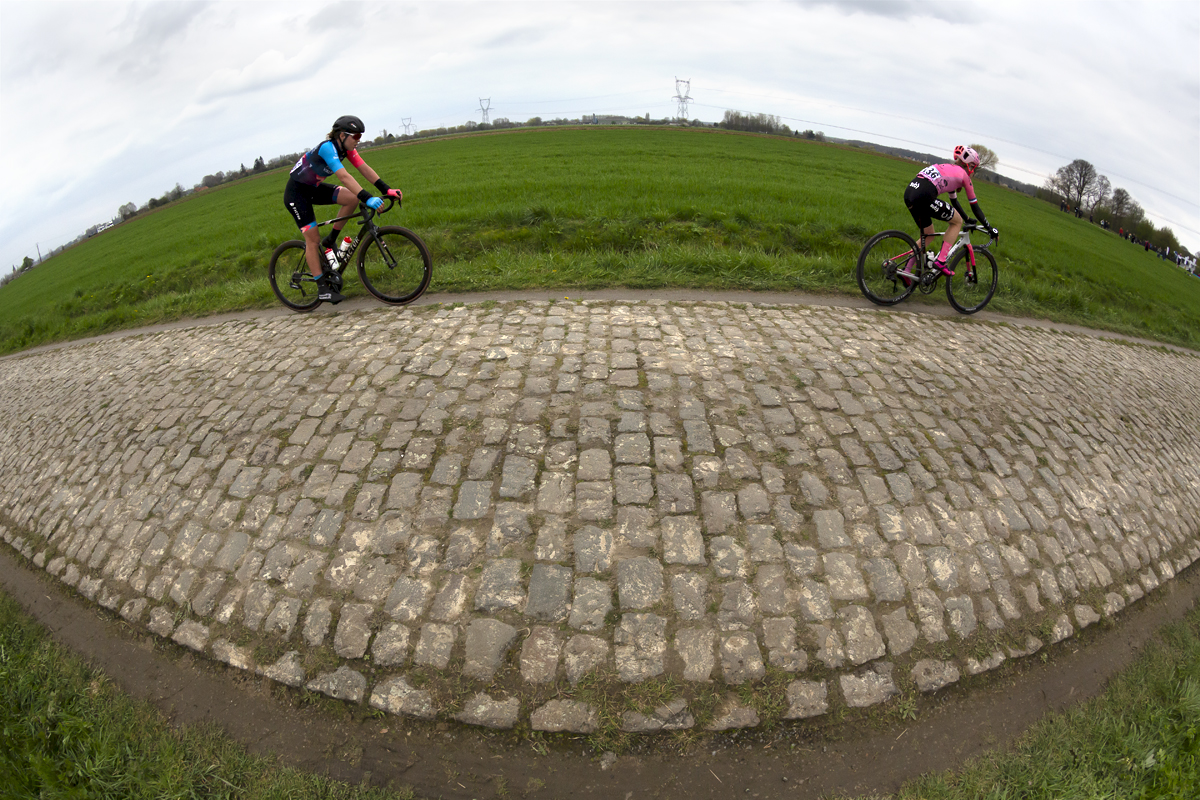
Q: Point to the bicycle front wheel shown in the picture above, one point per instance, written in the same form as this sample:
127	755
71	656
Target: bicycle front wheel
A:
972	288
394	265
293	284
879	264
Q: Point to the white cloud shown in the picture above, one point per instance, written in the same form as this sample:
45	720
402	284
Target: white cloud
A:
268	70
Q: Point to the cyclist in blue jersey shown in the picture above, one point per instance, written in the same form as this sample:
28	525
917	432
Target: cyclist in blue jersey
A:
306	188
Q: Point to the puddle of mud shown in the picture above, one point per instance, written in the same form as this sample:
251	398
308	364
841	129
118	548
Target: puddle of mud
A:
870	753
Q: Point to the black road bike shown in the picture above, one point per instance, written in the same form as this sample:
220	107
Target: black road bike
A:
892	265
393	263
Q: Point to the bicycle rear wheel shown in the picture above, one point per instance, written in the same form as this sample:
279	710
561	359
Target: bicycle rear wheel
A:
394	265
881	258
293	284
972	288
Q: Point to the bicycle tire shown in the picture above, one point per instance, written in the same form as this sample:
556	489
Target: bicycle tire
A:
395	266
969	295
290	279
882	255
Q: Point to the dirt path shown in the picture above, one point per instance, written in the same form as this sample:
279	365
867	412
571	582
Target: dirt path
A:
455	762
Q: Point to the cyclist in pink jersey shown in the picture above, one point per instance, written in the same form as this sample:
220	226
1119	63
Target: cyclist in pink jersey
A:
921	198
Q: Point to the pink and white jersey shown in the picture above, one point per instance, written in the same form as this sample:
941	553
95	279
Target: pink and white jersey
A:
949	178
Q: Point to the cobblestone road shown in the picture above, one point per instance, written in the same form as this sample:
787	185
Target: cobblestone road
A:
485	513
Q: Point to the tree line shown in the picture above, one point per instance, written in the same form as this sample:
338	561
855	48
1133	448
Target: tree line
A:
1081	186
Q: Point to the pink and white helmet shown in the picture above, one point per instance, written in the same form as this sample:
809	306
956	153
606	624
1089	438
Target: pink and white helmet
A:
967	157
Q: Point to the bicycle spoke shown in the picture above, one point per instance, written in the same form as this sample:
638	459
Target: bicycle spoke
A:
395	265
885	267
290	278
972	287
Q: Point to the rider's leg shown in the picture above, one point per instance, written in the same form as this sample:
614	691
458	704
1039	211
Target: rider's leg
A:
312	250
327	286
347	201
953	228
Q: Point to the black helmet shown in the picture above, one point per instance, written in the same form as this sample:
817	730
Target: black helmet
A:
349	124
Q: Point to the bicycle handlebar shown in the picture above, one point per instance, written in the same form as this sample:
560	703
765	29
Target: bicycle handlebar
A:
366	213
980	227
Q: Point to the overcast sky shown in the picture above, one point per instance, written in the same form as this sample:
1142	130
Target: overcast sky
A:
111	102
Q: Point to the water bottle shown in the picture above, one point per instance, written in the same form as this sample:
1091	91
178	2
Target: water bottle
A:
344	247
930	257
331	259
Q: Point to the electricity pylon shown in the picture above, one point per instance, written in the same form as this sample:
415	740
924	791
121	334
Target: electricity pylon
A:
683	95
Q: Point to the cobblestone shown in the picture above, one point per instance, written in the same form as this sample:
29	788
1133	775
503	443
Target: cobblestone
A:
536	491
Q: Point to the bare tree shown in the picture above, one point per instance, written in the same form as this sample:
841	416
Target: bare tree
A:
1076	181
1124	208
765	123
1098	194
987	157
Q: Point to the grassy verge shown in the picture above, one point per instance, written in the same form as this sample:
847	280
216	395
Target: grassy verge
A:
67	732
1140	739
601	208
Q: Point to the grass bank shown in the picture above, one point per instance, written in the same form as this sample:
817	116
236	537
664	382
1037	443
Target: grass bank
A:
1140	739
67	732
601	208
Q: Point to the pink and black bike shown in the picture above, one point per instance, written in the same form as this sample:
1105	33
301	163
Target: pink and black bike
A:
892	265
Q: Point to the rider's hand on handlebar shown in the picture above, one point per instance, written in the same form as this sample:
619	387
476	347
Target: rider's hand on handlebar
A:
994	233
387	191
374	203
969	221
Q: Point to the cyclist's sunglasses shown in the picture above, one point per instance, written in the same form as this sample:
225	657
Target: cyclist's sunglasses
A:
354	136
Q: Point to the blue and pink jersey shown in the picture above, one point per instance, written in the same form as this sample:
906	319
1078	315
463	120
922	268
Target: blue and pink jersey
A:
319	163
949	178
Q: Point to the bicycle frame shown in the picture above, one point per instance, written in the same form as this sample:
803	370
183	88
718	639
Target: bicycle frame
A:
892	265
927	276
367	226
397	274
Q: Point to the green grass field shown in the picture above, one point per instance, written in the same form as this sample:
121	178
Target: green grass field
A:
602	207
67	732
